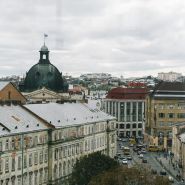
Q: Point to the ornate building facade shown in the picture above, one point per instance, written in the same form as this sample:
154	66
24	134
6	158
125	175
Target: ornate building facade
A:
40	143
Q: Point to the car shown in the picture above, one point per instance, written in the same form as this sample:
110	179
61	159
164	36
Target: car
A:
123	158
131	145
124	161
119	139
163	172
143	151
141	156
170	178
138	152
135	149
122	147
118	154
129	157
144	160
124	140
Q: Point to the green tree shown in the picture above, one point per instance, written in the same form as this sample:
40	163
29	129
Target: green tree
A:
128	176
90	166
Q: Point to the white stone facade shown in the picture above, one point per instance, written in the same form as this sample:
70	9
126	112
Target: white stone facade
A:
129	114
47	153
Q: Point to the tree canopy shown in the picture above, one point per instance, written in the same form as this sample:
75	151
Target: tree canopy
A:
128	176
90	166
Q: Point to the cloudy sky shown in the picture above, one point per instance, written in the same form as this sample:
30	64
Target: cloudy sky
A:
121	37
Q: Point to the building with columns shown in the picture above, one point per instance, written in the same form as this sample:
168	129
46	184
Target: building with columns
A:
128	106
40	143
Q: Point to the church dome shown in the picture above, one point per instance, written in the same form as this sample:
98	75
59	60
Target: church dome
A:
43	74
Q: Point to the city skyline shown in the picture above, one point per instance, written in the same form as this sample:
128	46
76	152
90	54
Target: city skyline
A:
129	38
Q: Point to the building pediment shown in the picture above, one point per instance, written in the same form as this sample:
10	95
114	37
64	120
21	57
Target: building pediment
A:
43	94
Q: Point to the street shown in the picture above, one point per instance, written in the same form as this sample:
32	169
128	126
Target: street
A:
151	161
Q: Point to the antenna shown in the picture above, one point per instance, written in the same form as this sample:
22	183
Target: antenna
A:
45	35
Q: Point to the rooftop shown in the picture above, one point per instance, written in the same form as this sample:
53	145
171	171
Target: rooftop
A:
67	114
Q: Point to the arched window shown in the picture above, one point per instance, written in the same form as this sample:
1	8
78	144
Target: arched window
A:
128	126
60	170
140	125
64	168
134	125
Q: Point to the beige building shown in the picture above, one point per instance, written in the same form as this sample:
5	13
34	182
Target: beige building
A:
178	147
165	107
9	92
170	76
40	143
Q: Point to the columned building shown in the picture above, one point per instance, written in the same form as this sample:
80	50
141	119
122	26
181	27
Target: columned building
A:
128	106
165	107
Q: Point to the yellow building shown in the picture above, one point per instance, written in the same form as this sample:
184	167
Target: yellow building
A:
165	107
9	92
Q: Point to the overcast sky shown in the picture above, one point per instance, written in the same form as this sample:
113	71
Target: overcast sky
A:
121	37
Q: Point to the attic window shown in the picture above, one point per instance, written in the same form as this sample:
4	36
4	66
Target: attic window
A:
15	127
37	125
50	122
27	126
15	118
92	117
58	121
3	129
74	118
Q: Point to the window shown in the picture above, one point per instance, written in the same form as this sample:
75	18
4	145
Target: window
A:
35	141
41	177
139	111
35	158
122	126
25	161
13	144
41	157
19	162
13	164
30	160
122	111
1	166
134	111
1	146
134	125
128	111
181	115
7	145
140	125
161	115
46	156
56	154
7	165
35	179
171	115
128	126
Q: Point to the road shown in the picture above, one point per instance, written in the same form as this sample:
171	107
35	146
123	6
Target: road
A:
152	163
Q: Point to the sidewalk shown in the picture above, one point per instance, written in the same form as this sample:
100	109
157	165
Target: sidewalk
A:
169	166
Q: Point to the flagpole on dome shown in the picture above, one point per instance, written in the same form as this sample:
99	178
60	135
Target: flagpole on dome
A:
45	35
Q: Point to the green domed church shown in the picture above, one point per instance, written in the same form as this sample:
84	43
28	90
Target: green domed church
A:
44	75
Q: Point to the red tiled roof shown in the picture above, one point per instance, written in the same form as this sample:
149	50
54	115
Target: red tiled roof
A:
127	93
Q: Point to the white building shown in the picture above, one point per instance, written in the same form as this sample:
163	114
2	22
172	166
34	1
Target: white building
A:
40	143
128	106
170	76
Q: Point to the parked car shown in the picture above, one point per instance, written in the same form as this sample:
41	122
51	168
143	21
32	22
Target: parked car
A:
129	157
163	172
124	161
141	156
124	139
143	151
131	145
144	160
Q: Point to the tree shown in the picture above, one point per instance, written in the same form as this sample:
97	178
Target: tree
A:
128	176
90	166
